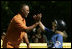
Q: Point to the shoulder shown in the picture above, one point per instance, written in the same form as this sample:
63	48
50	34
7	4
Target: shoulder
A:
59	35
17	17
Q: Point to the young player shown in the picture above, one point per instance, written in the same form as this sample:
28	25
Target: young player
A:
55	36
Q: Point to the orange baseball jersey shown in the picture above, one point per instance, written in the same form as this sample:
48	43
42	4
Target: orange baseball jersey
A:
15	32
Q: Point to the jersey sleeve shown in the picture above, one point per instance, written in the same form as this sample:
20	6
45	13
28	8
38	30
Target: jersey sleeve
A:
48	31
19	24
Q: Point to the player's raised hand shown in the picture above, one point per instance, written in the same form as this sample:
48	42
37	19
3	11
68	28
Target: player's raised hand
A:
37	17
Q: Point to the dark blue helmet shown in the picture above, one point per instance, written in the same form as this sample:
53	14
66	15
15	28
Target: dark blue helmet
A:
61	25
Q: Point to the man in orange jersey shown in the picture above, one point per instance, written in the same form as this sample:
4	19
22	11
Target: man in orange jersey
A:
17	29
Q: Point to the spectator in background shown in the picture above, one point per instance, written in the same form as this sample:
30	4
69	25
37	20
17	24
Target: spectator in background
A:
39	37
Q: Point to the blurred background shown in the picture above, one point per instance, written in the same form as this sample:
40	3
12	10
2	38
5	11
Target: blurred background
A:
50	10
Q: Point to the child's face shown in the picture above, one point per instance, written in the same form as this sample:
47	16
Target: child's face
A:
54	26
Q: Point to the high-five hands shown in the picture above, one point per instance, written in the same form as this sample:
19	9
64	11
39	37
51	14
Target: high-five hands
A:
37	17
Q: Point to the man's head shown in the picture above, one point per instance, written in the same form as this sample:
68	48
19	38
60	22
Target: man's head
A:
24	10
58	25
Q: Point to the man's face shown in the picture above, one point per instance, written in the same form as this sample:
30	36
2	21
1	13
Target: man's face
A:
54	25
25	11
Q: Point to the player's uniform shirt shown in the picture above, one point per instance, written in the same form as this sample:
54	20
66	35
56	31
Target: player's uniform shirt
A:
54	40
15	32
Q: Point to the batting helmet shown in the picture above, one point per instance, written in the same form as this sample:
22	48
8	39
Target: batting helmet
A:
60	25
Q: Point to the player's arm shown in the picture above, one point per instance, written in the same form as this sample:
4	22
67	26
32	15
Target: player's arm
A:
21	26
59	42
41	26
31	27
44	28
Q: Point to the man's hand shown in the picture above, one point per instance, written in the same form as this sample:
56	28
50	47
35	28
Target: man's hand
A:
37	17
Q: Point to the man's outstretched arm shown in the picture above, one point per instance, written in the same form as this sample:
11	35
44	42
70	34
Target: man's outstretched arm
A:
21	26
